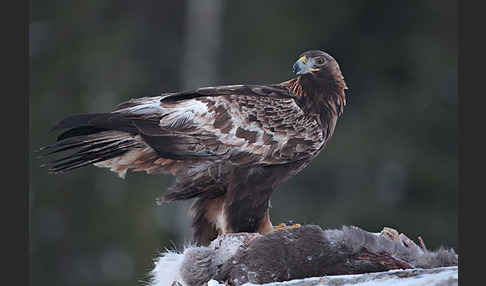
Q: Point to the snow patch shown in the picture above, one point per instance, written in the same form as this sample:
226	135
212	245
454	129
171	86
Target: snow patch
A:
410	277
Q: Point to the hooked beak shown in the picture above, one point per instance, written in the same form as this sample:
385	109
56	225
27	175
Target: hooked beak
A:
301	66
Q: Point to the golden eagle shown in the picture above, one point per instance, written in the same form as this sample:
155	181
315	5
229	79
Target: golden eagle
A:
228	146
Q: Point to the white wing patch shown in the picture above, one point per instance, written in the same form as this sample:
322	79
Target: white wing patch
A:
176	115
144	105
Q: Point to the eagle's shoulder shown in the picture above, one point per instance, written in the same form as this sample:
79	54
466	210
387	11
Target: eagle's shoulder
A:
273	91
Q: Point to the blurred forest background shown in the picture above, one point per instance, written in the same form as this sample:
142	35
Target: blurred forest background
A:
391	162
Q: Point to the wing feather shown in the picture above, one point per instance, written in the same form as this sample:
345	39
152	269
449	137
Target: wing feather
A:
190	133
263	123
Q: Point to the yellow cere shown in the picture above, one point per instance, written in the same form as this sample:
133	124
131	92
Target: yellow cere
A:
303	59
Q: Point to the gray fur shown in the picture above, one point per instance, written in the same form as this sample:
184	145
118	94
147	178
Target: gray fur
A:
441	257
357	238
198	266
227	245
307	251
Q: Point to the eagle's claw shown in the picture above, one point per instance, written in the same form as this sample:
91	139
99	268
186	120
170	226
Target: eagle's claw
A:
286	225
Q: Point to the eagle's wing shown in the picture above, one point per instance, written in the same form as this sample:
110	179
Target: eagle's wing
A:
242	124
192	132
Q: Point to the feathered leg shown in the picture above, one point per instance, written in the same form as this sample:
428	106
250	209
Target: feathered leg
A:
246	206
205	216
247	201
265	225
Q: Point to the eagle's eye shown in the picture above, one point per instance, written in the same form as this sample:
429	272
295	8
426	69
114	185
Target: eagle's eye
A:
319	60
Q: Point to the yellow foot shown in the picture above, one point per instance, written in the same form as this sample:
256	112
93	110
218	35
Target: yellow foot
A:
286	226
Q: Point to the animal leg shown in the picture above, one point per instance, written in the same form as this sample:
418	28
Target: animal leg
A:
206	220
247	201
265	225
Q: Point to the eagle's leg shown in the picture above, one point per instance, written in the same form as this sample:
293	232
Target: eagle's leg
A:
206	219
246	205
265	225
247	200
245	215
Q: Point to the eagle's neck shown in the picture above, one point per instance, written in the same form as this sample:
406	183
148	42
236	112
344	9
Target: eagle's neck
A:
319	95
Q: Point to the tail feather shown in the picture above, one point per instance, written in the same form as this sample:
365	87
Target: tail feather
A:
88	152
80	131
65	145
83	161
82	120
92	138
124	141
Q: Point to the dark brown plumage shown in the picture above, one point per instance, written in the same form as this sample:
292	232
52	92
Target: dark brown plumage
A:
228	146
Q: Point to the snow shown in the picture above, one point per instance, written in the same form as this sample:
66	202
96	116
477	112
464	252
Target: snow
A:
214	283
410	277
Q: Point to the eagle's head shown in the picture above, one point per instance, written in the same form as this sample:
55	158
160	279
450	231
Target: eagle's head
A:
319	80
317	64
